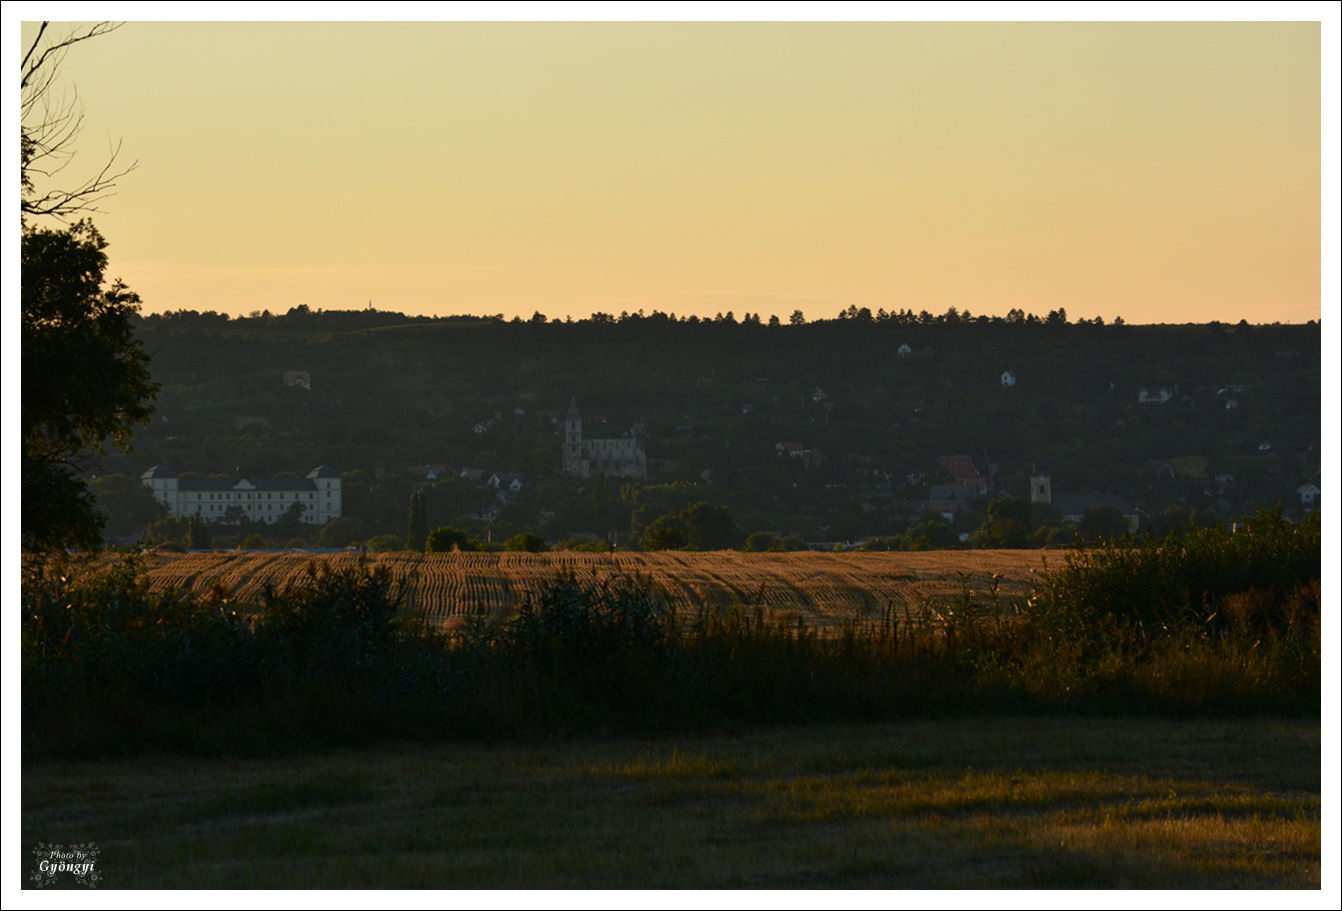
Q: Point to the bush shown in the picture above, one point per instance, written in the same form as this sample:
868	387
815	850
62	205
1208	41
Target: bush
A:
759	542
1189	602
666	532
445	538
381	544
589	544
342	532
526	541
1182	582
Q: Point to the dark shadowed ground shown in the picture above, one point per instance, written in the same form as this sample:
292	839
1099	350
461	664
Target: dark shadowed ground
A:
997	803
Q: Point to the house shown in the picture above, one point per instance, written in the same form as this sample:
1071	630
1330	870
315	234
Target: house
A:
1155	395
299	378
808	455
1008	378
903	350
961	469
583	458
430	473
1309	496
964	492
944	508
259	499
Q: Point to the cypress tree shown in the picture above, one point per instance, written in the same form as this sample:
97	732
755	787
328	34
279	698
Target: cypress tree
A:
197	533
417	526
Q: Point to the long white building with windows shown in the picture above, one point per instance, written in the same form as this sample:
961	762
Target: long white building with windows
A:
259	499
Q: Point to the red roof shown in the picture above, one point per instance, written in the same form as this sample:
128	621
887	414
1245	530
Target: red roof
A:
958	466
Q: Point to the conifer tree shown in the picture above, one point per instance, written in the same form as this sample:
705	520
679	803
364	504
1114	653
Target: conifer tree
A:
417	526
197	533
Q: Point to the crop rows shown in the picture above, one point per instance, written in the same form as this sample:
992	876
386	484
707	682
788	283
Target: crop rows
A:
823	588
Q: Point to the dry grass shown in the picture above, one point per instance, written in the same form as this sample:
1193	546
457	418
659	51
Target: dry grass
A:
1000	803
825	589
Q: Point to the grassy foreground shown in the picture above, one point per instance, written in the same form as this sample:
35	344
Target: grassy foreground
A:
965	803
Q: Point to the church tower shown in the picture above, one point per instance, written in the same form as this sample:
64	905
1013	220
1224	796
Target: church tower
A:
573	439
1041	488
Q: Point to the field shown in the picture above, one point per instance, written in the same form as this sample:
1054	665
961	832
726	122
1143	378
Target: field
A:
823	588
1001	803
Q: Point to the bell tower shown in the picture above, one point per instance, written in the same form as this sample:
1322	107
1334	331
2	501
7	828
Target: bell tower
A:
1041	488
573	439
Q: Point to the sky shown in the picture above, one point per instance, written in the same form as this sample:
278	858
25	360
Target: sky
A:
1158	171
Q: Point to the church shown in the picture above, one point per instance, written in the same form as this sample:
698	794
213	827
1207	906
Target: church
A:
622	458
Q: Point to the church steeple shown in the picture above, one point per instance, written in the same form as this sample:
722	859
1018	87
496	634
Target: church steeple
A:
573	439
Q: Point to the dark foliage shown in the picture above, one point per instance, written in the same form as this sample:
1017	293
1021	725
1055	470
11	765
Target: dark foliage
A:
1216	623
85	379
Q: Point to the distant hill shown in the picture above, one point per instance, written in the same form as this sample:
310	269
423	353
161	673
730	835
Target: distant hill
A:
1206	416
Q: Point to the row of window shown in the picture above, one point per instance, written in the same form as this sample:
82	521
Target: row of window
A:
229	496
260	507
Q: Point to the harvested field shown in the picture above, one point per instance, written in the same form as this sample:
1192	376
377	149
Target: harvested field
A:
823	588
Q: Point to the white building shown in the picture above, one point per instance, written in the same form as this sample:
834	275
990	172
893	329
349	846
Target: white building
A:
622	458
259	499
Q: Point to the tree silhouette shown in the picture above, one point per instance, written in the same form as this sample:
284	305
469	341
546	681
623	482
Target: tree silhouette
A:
85	375
417	524
50	126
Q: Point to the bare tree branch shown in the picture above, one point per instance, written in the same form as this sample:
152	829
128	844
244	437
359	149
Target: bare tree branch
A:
50	127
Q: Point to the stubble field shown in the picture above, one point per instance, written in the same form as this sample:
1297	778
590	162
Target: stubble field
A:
824	589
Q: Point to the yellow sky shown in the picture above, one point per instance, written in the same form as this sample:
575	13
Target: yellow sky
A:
1165	172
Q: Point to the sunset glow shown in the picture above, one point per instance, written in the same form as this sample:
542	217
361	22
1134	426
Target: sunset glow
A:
1164	172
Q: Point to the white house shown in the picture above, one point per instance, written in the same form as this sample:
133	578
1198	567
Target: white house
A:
259	499
1309	496
904	350
1008	378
